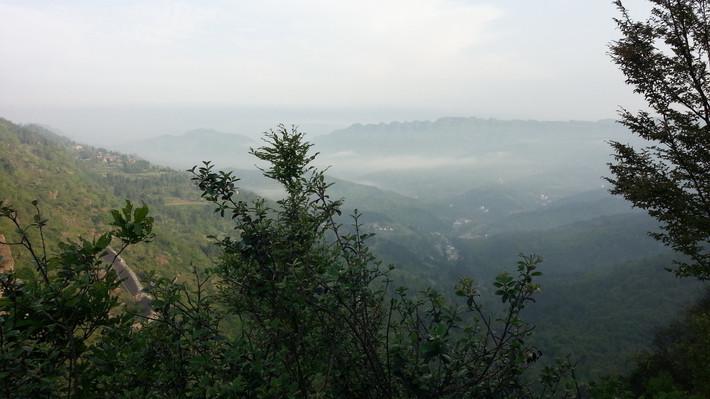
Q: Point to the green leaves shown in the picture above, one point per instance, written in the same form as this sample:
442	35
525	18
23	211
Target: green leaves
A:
51	326
309	310
217	187
132	225
103	241
288	155
506	286
311	294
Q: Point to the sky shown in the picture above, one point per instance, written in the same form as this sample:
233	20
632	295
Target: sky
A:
109	71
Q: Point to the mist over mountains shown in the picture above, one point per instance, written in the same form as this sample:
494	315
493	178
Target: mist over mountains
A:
429	159
449	198
192	147
430	199
450	155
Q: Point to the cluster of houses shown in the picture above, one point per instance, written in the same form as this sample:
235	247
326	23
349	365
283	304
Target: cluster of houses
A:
381	227
89	153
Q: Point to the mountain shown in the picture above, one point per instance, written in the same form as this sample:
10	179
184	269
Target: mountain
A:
605	318
446	157
603	276
569	251
193	147
76	186
379	205
479	211
427	159
461	137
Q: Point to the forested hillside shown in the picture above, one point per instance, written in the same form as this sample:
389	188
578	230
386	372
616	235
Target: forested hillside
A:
604	291
421	199
595	247
76	185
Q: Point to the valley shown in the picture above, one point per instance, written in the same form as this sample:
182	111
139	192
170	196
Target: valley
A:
434	223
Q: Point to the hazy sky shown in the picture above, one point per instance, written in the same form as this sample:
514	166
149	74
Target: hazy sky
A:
158	67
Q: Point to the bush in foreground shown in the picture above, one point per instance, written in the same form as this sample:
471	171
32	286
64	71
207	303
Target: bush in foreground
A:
312	312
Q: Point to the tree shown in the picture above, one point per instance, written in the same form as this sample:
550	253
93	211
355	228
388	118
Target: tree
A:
666	59
296	306
679	357
674	367
319	316
52	318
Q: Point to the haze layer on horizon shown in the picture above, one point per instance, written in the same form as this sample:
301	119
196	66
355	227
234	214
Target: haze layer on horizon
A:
114	71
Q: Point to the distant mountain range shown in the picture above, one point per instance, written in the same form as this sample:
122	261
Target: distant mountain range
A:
466	136
428	159
435	223
448	156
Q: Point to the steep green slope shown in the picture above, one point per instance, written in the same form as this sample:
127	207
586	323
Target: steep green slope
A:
77	185
35	164
604	287
570	250
603	319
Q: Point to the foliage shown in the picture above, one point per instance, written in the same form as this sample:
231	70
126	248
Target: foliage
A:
317	314
604	320
665	59
79	184
51	320
676	367
680	355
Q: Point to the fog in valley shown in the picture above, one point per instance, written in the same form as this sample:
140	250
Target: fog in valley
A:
466	132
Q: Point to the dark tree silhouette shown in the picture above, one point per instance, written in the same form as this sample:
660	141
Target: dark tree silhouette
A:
666	59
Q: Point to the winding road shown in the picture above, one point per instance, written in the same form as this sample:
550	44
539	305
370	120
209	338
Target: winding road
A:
129	280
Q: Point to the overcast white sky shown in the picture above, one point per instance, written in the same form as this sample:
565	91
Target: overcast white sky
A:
164	66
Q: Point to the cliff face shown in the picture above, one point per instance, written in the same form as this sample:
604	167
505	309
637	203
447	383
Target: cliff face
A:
7	263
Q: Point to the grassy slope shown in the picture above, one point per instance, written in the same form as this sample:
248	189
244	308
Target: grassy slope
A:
76	188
